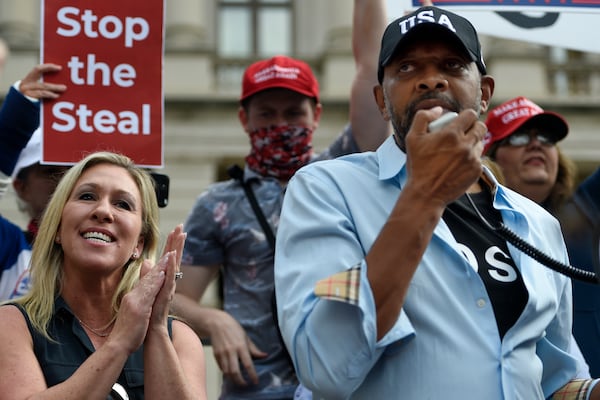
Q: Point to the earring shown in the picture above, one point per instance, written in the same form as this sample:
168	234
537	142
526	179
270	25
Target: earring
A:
134	255
57	239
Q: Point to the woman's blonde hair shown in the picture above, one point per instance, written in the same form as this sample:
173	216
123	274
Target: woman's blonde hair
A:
47	255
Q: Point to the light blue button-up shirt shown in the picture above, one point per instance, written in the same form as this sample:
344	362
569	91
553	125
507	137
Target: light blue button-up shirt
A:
445	342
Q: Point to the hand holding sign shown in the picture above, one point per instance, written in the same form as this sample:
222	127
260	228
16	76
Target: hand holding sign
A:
33	86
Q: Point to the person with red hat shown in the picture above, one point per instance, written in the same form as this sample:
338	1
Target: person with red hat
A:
232	226
522	140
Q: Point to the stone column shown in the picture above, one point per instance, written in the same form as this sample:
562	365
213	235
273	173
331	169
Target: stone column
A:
20	22
189	69
184	21
20	29
338	63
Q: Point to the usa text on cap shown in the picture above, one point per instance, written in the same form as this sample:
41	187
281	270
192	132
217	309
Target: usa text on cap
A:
408	26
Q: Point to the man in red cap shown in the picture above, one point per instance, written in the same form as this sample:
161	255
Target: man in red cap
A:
522	139
279	110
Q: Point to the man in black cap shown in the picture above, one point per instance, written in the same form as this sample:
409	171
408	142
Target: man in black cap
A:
390	283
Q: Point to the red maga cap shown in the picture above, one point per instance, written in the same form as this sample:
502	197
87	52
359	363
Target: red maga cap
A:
505	119
279	72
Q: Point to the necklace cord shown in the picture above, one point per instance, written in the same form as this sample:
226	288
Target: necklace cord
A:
100	332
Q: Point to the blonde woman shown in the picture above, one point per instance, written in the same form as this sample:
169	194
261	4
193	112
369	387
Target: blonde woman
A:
95	322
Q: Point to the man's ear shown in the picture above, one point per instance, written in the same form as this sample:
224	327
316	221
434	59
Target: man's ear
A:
139	248
487	90
243	117
380	100
318	108
19	186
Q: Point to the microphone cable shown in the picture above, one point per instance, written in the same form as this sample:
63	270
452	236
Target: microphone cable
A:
505	233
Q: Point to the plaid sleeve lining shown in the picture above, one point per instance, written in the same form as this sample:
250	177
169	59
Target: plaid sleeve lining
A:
577	389
342	286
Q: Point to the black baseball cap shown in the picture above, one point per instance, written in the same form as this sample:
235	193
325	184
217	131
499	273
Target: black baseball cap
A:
408	26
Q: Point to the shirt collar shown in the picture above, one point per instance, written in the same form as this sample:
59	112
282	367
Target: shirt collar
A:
61	304
392	163
251	175
391	159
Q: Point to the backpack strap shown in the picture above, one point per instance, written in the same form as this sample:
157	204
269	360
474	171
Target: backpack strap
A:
237	173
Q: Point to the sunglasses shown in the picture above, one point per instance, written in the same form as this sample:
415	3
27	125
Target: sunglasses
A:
524	138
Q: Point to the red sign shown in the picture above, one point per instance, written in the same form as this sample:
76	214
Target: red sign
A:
112	57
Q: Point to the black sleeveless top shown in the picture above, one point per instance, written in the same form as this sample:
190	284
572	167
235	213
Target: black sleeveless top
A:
60	358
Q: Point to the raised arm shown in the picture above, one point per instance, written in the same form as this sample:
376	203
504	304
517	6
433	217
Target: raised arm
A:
328	275
420	206
368	126
20	113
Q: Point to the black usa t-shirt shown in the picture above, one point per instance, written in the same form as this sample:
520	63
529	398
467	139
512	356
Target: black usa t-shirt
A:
502	279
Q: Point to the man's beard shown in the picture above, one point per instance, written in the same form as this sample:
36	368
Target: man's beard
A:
402	123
